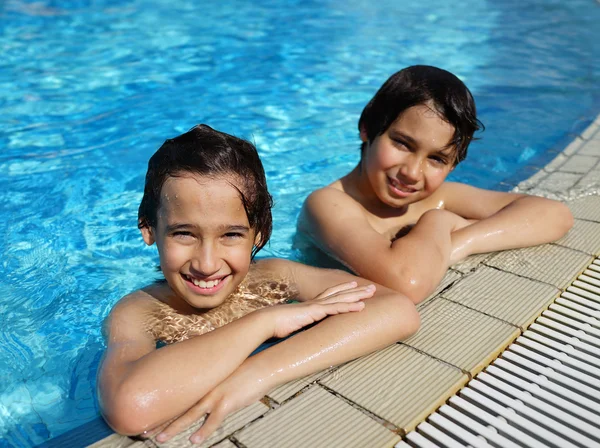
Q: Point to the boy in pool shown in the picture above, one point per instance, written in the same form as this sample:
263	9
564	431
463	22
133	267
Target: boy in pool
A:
387	219
207	208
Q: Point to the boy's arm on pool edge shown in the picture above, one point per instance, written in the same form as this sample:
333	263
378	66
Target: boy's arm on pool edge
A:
504	220
388	317
140	387
412	265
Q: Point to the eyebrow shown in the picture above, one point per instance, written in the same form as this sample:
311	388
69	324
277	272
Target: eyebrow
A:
223	228
445	150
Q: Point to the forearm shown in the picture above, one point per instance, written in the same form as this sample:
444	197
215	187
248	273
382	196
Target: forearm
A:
384	320
528	221
421	258
167	382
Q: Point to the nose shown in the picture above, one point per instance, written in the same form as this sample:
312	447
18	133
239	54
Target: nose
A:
412	169
206	260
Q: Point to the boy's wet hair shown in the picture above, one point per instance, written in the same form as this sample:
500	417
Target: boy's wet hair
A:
207	152
421	84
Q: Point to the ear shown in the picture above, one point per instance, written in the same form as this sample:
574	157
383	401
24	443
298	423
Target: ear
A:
148	235
257	239
363	134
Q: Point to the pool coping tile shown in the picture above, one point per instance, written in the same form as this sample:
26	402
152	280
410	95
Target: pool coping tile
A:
503	295
397	374
316	419
461	336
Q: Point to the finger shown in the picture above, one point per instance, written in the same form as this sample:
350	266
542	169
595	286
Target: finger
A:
335	289
343	307
212	422
182	422
353	295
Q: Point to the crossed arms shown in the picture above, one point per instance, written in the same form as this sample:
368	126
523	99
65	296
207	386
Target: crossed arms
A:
141	388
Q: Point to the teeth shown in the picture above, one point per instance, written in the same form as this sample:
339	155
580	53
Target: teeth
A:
203	284
401	187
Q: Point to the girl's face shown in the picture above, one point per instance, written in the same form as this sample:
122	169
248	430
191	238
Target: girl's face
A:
411	159
203	237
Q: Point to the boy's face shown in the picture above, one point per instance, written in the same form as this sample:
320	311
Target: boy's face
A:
203	237
411	159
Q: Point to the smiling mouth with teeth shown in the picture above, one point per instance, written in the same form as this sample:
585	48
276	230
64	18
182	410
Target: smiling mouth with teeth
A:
203	284
401	186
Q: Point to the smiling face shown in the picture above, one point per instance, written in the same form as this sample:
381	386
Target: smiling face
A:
411	159
203	237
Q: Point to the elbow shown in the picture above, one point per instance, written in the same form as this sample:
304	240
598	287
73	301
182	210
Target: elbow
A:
129	414
407	320
563	219
567	218
413	285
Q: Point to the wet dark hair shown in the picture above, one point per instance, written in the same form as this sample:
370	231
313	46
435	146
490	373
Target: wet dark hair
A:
421	84
207	152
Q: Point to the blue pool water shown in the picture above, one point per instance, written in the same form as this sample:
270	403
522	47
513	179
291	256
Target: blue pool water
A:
90	89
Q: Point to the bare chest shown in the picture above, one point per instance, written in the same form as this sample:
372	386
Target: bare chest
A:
394	227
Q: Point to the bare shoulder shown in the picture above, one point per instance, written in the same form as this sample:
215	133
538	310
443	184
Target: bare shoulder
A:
127	317
330	200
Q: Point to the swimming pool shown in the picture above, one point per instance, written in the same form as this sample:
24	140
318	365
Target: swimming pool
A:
90	89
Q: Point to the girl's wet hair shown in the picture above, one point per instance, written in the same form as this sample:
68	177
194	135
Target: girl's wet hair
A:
422	84
207	152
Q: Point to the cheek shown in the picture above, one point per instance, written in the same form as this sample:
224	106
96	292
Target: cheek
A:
436	177
172	256
239	258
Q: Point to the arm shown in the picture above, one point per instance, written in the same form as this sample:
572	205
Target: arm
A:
141	388
412	265
386	318
504	220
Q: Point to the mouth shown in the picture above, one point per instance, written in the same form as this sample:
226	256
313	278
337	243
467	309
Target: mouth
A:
205	287
400	189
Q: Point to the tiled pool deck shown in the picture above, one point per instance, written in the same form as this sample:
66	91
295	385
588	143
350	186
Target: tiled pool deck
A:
481	306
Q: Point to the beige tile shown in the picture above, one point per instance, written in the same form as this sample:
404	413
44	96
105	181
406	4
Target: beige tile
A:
588	183
113	441
232	423
584	236
532	181
558	182
398	384
587	208
460	336
471	262
450	277
573	147
548	263
590	132
590	148
224	444
286	391
556	163
515	299
316	419
579	164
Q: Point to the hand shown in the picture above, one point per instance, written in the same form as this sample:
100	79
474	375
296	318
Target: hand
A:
339	299
233	394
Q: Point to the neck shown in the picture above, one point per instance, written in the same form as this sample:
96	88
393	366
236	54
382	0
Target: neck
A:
356	184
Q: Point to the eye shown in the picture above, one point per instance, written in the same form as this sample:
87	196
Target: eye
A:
233	235
400	143
182	234
438	160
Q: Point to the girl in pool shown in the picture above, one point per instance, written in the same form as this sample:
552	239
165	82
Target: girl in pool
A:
207	208
414	131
